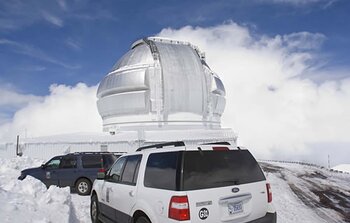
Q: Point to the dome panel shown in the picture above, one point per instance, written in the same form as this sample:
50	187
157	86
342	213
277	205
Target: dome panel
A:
141	55
131	103
134	80
184	86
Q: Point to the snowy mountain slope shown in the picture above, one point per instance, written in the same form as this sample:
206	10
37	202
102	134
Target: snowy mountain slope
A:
305	193
301	194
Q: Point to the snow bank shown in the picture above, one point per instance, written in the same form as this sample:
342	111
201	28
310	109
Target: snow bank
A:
288	206
29	200
308	194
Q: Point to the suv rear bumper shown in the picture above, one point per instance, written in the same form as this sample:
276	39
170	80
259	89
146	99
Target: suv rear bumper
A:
268	218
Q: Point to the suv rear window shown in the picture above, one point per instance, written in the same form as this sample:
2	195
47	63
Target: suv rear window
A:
92	161
209	169
194	170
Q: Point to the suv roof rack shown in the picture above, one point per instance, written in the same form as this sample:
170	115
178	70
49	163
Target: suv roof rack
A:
77	153
161	145
216	143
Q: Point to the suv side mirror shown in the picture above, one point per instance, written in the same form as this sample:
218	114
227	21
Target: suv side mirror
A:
42	166
101	175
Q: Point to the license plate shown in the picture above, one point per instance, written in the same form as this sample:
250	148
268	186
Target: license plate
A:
234	208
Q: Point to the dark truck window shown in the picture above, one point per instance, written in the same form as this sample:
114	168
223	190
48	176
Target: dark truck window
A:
161	170
68	162
209	169
92	161
131	170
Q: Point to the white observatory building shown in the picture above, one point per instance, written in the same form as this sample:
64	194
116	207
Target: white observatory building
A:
161	84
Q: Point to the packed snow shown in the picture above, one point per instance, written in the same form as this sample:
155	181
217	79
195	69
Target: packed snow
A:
30	201
301	193
307	193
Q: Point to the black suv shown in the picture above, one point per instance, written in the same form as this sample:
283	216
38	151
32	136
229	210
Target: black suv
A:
76	170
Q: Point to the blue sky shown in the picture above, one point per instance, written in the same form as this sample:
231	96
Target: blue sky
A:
66	42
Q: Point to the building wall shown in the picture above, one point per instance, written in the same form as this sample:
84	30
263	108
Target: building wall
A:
46	148
7	150
46	151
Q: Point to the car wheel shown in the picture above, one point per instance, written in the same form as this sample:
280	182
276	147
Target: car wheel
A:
143	219
94	211
83	186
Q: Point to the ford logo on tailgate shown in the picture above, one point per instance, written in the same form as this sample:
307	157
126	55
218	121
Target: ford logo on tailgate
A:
235	189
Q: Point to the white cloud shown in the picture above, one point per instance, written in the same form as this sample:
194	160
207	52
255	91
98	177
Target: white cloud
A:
296	1
13	99
67	109
62	4
301	2
322	4
269	103
18	14
73	44
21	13
31	51
52	19
304	40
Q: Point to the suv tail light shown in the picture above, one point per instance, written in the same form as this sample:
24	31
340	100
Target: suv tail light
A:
179	208
102	169
269	193
220	148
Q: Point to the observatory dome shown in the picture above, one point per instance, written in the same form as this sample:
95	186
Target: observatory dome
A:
161	83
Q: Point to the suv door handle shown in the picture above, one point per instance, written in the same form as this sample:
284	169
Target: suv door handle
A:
131	193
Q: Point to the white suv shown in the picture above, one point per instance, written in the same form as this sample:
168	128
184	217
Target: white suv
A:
172	182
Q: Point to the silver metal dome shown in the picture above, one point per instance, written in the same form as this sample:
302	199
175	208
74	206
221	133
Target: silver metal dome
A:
161	83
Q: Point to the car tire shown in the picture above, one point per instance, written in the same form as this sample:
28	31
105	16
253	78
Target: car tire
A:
83	186
94	210
143	219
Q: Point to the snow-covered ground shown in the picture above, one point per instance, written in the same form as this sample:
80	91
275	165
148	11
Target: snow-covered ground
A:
29	200
301	193
308	194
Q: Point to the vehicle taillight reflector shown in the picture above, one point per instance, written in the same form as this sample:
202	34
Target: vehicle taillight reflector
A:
269	193
101	170
179	208
220	148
